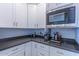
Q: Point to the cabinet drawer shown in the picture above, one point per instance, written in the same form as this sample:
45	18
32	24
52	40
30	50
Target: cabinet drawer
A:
17	48
69	53
34	44
28	49
56	52
34	48
43	47
59	53
42	53
19	53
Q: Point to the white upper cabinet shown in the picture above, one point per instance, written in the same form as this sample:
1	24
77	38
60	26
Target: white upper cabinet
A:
41	15
13	15
32	17
20	15
36	15
6	15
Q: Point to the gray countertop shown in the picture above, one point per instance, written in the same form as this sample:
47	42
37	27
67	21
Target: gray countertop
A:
14	42
11	43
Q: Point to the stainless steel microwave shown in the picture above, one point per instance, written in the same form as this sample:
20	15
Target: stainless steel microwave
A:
62	16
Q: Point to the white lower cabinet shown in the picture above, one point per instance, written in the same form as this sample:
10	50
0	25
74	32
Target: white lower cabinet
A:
34	48
28	49
13	51
60	52
42	50
32	17
41	15
19	53
42	53
56	52
39	49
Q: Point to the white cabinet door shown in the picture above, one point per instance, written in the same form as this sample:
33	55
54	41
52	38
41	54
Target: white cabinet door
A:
28	49
18	53
4	53
34	48
56	52
39	49
20	15
42	53
6	15
41	15
60	52
36	15
69	53
42	50
31	16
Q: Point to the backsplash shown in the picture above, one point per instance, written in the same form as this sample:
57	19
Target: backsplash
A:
38	31
8	32
5	32
66	33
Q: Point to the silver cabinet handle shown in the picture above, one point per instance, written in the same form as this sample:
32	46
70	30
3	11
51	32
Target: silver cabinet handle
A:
35	46
37	25
13	23
16	24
